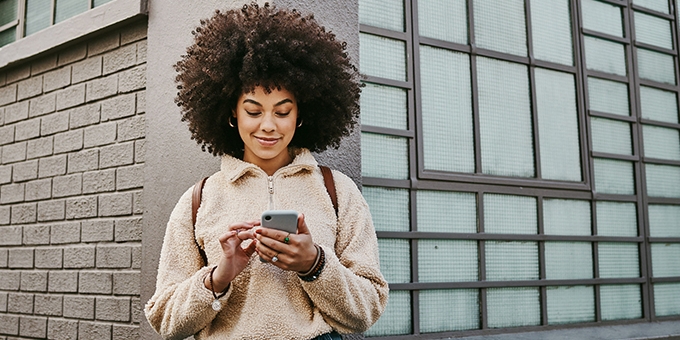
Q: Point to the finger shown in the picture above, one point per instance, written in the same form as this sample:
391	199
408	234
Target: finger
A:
244	225
302	225
250	249
225	237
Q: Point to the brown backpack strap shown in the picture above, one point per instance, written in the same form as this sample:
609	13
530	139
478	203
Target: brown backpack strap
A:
195	203
330	186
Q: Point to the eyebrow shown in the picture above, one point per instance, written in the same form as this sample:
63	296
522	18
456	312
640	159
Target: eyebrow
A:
287	100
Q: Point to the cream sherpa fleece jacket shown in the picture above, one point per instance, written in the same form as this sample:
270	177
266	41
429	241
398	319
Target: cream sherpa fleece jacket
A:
265	302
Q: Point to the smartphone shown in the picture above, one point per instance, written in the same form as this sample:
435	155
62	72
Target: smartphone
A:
285	220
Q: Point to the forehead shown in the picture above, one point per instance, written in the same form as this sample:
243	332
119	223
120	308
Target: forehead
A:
261	96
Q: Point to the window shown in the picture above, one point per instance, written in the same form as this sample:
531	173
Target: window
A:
521	160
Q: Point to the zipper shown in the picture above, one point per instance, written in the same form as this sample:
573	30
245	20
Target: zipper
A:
271	192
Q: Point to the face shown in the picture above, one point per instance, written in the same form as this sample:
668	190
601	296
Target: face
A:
266	124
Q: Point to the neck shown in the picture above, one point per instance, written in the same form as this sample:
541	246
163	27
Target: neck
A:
270	166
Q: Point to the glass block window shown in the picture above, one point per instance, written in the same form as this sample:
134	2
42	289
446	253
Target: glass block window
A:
570	304
611	136
658	104
568	260
501	26
389	208
665	259
449	310
388	14
656	66
460	208
384	106
443	20
613	176
508	261
513	307
662	143
602	17
384	156
664	220
382	57
395	260
667	299
551	25
621	302
396	319
616	219
605	56
653	30
566	217
663	180
618	260
608	96
433	269
505	214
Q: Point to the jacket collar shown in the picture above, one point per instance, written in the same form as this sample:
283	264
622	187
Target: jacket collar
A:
234	168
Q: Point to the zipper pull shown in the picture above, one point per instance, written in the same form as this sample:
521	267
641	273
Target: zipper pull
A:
271	192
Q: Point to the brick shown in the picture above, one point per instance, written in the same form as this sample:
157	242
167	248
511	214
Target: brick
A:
16	112
52	210
132	79
128	229
137	203
42	105
27	130
34	281
141	102
49	305
126	283
95	283
62	282
101	88
65	233
3	302
136	257
81	207
113	309
5	174
20	303
97	231
103	43
44	64
10	236
10	279
20	258
14	152
137	312
132	128
36	234
56	122
30	87
72	54
69	185
9	324
84	115
12	193
48	258
40	147
52	166
94	330
100	134
25	170
57	79
6	134
68	141
132	33
79	257
70	96
8	94
130	177
33	326
2	116
39	190
117	204
120	58
118	107
83	161
79	307
23	213
87	69
99	181
141	52
4	215
19	73
113	256
116	155
3	259
61	329
125	332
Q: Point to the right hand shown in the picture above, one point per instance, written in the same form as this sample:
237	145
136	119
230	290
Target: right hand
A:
234	257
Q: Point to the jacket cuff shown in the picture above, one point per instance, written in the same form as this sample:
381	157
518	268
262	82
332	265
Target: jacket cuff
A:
203	294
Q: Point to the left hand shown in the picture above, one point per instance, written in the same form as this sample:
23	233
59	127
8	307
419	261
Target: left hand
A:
297	255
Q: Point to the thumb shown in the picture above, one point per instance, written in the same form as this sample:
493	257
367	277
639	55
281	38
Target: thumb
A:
302	225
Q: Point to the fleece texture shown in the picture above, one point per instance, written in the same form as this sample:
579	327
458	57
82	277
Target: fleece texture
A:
265	302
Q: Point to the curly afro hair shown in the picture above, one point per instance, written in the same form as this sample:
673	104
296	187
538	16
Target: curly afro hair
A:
238	50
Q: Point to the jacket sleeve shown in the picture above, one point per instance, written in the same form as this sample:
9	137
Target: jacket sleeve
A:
350	292
181	305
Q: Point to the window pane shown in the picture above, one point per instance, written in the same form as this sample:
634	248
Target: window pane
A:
384	106
602	17
389	208
620	302
443	20
665	259
611	136
653	30
100	2
382	57
397	316
663	180
605	56
447	261
500	26
568	260
557	125
513	307
570	304
68	8
608	96
384	156
656	66
664	220
616	219
658	104
388	14
661	142
448	139
395	260
506	214
505	118
667	299
566	217
551	30
37	15
8	36
613	177
449	310
511	260
450	212
657	5
8	11
618	260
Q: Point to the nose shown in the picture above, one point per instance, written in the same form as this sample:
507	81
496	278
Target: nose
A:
268	124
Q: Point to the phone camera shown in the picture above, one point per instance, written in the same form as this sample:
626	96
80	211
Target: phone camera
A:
268	217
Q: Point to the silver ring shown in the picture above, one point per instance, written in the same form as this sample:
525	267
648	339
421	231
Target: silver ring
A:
275	258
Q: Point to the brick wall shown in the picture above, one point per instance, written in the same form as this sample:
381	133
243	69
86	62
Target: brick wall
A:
72	129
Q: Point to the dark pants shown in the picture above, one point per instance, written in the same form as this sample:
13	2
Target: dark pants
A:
329	336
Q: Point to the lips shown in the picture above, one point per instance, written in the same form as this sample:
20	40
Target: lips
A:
267	141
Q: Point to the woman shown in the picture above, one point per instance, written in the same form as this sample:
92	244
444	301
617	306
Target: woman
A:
261	88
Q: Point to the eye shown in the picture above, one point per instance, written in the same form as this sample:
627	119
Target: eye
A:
283	114
252	113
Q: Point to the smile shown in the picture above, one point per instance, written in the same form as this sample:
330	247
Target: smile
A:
267	141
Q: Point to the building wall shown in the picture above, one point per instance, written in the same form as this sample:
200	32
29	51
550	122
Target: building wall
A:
72	130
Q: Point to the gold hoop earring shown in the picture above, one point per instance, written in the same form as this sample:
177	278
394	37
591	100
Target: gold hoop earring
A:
300	123
230	123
